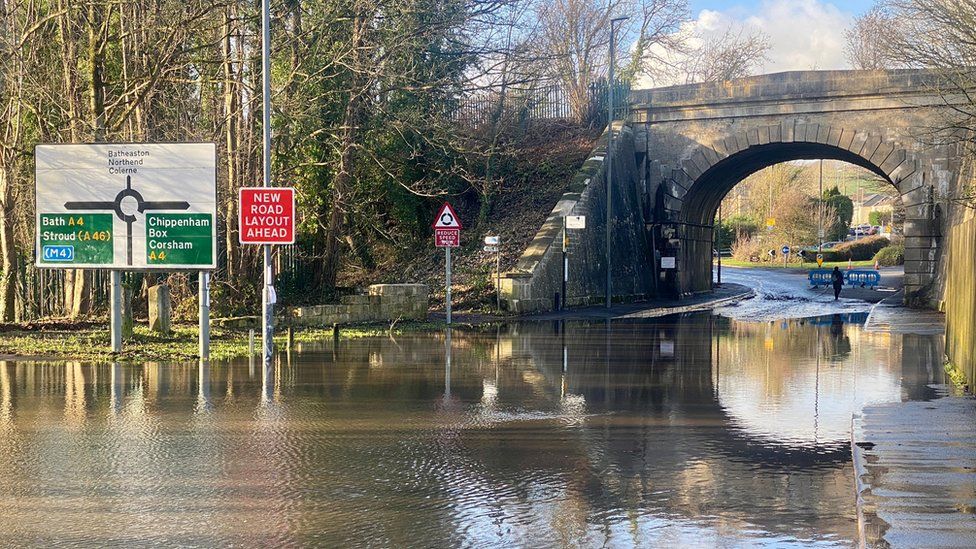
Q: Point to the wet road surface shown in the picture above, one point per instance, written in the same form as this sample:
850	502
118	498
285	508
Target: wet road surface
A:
687	431
782	294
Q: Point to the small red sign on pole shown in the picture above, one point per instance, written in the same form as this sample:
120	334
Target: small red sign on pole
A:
447	238
447	235
266	215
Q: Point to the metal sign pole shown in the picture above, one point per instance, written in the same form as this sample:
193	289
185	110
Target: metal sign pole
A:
447	274
498	279
116	303
204	299
267	309
565	263
719	243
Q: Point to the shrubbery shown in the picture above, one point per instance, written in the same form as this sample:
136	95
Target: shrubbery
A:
891	256
857	250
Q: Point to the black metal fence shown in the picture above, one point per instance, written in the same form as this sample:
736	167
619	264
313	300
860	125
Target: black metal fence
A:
549	102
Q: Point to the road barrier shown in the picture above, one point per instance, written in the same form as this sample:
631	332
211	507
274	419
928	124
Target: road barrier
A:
854	277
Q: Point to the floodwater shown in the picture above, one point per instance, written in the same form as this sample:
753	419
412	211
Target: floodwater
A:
690	431
786	295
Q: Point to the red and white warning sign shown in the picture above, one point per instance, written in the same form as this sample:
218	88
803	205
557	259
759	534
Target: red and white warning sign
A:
266	215
447	228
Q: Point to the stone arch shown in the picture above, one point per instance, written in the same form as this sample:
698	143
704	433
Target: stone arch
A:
708	172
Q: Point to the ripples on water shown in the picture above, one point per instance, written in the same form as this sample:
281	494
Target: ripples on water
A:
682	431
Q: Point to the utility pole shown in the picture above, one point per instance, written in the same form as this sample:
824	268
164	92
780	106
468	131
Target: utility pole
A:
610	90
267	295
820	228
719	239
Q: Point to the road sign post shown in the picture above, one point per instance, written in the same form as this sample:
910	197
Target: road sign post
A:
570	222
125	207
447	235
266	217
115	326
204	300
786	255
493	245
267	294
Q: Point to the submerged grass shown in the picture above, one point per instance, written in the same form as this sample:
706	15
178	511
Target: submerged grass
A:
89	343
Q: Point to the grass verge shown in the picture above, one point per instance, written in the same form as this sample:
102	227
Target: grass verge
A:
90	343
956	376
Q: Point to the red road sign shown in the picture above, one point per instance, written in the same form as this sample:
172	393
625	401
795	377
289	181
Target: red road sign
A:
447	219
447	238
266	215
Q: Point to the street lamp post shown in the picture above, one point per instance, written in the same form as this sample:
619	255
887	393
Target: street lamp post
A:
610	90
267	303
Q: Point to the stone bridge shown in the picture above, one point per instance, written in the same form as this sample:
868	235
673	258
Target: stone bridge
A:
682	149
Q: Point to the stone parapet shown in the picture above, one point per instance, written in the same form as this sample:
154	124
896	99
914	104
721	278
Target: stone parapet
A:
382	303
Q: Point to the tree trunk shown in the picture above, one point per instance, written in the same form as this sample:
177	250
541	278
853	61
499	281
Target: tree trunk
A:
74	279
343	180
230	134
8	254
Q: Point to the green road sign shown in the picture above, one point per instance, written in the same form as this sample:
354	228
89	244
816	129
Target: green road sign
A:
116	190
75	238
179	239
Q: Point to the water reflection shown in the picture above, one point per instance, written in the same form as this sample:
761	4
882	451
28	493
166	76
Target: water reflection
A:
693	430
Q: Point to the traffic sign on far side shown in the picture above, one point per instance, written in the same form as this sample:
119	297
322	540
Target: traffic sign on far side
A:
447	218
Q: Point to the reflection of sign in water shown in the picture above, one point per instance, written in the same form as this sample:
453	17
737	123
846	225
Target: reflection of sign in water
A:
161	215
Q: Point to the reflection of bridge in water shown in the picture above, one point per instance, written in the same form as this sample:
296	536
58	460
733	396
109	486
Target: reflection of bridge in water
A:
547	425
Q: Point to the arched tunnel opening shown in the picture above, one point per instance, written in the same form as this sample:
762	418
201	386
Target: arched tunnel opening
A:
694	240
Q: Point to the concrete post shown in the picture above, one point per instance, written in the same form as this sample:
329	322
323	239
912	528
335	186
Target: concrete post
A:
116	304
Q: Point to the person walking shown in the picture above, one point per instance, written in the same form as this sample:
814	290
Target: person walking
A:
838	281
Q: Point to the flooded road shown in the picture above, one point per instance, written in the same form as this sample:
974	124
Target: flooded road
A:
784	295
697	430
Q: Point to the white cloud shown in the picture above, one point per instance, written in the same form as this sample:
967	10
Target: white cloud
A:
803	34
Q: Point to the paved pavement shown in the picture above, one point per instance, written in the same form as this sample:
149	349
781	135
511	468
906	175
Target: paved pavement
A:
915	464
891	317
727	294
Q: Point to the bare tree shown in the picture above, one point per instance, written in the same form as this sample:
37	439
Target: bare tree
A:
867	47
939	35
734	54
576	33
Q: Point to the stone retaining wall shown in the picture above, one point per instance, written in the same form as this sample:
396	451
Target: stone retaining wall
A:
384	302
960	294
537	277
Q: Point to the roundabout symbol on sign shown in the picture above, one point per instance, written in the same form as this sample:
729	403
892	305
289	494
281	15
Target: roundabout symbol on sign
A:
126	209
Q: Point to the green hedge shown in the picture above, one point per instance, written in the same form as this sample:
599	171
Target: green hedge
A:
857	250
890	256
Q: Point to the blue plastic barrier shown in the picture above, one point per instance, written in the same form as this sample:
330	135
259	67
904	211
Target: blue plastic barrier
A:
863	278
854	277
821	277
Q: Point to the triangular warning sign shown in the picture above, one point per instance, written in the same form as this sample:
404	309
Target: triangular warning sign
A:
447	219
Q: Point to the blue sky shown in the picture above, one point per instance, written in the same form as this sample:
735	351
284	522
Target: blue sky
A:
802	34
855	6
